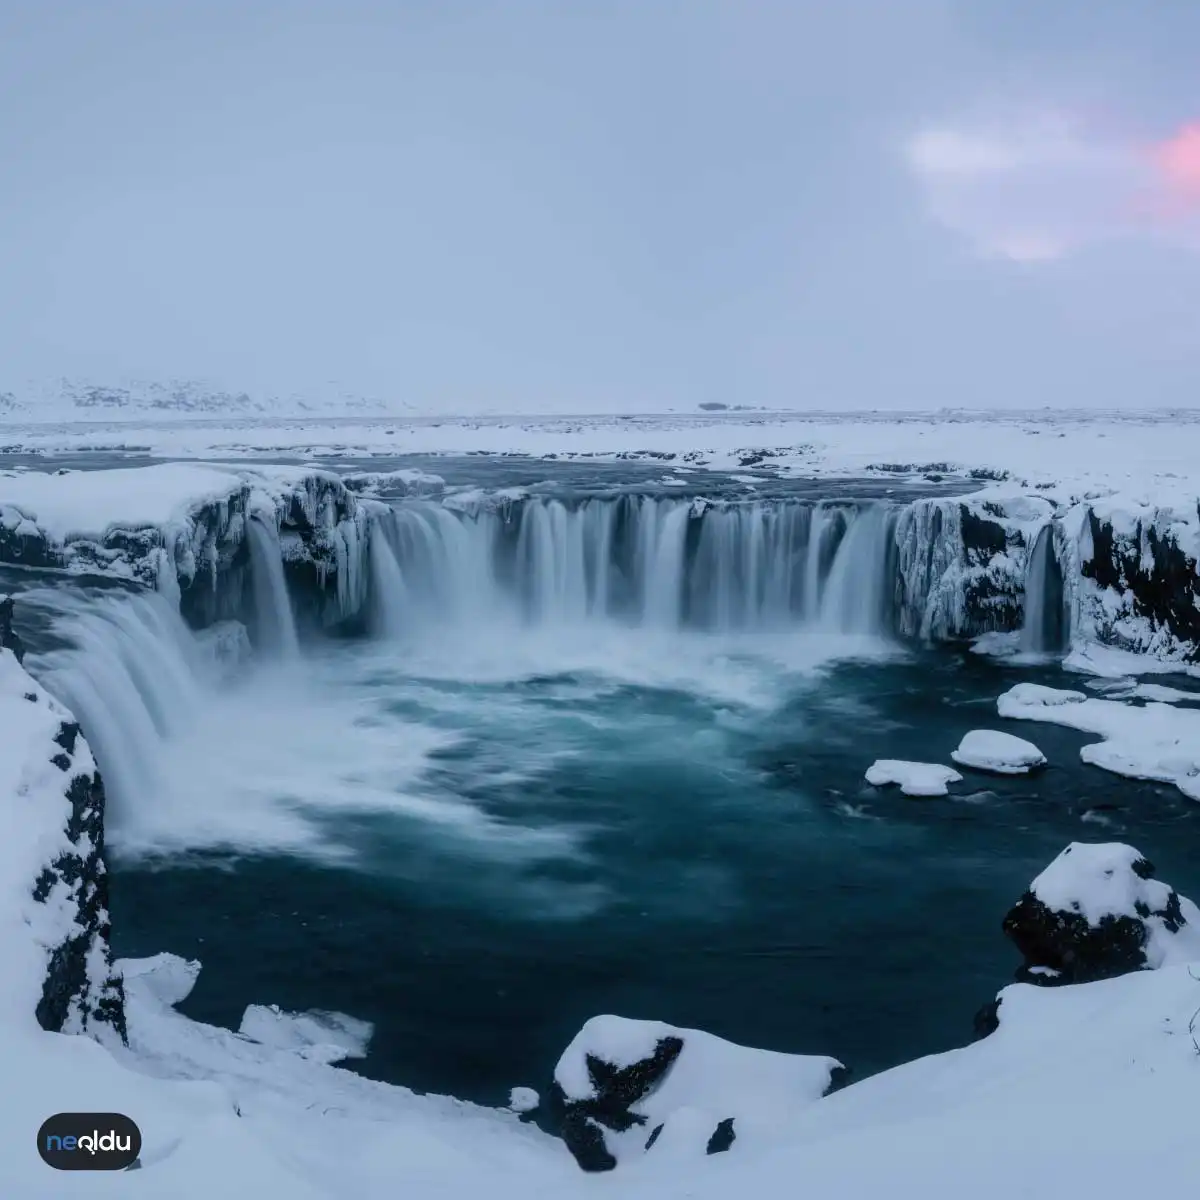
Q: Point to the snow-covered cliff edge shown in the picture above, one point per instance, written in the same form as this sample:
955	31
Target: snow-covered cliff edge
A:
53	878
183	529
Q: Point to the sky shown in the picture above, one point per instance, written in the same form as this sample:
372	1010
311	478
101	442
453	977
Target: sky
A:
606	205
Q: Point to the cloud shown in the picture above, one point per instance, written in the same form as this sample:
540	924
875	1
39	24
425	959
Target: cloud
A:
1038	187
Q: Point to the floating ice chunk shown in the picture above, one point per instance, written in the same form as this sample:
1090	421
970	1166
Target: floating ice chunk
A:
318	1035
1036	693
523	1099
1153	741
166	977
914	778
991	750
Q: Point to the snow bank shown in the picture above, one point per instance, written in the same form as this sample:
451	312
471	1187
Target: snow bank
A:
915	779
1153	741
619	1080
1001	753
73	504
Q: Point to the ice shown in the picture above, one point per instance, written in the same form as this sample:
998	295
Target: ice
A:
1153	741
991	750
321	1036
914	778
166	977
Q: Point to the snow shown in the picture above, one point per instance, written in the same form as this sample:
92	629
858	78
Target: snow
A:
318	1035
33	815
992	750
1113	451
914	778
523	1100
167	977
1154	741
80	503
1098	881
711	1080
1113	662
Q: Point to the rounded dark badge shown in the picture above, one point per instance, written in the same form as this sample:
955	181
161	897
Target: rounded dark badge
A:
89	1141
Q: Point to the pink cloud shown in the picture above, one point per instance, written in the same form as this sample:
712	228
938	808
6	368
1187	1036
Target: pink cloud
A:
1178	159
1037	186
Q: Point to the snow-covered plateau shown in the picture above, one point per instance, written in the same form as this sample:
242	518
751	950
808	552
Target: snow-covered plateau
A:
1068	534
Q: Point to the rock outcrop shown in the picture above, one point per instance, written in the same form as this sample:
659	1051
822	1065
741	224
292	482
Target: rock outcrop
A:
58	915
627	1087
1097	911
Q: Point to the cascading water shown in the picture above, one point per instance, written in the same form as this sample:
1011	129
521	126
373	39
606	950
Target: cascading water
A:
1043	630
275	624
132	673
656	562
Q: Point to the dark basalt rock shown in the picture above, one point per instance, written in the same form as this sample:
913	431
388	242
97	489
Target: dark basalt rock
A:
987	1019
1061	947
722	1138
1161	577
8	636
68	988
581	1123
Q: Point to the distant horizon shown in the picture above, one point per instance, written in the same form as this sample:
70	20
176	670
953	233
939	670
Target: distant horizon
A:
183	399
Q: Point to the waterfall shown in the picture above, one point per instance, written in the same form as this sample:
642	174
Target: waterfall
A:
1043	630
130	671
274	623
655	561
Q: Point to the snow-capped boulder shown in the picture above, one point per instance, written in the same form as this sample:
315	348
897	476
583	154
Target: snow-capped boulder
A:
1000	753
54	923
913	778
623	1087
1097	911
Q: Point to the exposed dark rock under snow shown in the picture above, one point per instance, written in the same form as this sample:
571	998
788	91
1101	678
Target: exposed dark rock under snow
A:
1097	911
625	1087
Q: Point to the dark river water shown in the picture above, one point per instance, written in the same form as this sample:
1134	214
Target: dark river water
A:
728	871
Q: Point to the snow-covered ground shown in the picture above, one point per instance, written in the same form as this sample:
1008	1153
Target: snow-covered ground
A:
1139	453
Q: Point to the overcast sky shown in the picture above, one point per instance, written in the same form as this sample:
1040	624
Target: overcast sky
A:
607	204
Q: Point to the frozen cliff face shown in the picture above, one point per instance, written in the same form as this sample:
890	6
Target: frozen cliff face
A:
960	569
182	529
54	923
1139	578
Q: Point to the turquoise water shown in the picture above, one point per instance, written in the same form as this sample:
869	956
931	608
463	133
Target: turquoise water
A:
503	837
